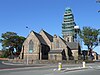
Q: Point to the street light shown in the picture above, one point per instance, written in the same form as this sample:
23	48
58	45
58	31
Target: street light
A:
27	57
28	29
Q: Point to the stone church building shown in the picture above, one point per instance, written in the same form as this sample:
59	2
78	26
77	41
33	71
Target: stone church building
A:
43	46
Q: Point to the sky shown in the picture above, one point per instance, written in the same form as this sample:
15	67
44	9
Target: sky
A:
15	15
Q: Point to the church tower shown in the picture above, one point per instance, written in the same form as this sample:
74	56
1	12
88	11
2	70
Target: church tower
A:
68	25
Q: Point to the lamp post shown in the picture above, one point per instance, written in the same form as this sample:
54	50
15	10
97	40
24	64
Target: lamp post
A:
27	53
27	58
28	28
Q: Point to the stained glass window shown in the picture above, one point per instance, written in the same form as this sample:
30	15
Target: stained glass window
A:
31	46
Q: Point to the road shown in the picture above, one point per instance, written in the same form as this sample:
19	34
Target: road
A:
51	72
3	66
45	70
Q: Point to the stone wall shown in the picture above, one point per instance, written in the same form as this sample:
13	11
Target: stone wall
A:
56	57
25	48
75	54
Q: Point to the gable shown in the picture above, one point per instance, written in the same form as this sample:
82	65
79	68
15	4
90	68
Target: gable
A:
58	42
48	36
62	40
40	38
31	36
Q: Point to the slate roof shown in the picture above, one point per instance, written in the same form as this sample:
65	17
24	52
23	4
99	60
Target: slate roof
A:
40	38
63	40
72	45
50	37
55	51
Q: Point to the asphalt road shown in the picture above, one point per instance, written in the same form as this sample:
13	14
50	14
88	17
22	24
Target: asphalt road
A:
51	72
3	66
94	70
85	72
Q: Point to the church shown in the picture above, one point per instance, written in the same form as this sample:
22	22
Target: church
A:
43	46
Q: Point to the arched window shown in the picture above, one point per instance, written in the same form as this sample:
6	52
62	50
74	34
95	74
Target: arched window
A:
31	46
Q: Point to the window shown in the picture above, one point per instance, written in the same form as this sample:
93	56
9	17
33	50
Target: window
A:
31	46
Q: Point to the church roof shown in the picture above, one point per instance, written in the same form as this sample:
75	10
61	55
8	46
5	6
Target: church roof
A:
40	38
72	45
63	40
50	37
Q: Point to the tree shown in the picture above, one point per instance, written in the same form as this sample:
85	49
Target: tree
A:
6	42
90	37
17	43
5	53
11	41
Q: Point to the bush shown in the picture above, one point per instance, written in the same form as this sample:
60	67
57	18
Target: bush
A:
5	54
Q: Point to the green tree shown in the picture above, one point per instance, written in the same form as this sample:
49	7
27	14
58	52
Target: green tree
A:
90	37
17	42
5	53
6	42
11	41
